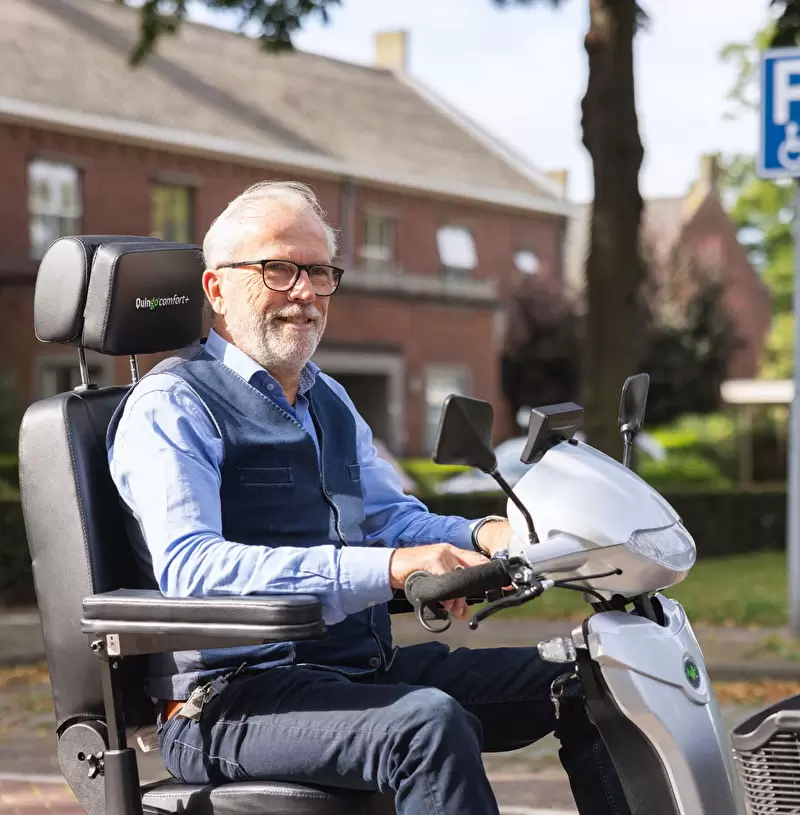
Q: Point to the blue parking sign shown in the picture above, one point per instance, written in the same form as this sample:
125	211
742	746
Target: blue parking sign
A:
779	149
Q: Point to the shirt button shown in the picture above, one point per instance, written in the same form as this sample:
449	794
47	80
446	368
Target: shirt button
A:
270	387
374	662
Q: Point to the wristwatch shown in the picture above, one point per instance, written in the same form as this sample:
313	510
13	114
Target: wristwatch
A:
475	529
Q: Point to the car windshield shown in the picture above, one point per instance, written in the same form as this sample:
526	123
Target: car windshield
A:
508	454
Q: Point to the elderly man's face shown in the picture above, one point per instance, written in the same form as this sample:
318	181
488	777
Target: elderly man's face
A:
280	330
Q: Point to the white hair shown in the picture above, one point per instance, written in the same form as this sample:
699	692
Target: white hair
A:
245	215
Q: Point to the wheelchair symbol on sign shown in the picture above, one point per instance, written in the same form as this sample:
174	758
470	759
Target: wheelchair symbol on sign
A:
789	148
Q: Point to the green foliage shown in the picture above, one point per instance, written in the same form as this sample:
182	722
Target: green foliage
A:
778	359
682	471
427	474
762	209
10	414
688	351
718	591
718	440
541	362
744	92
763	212
691	432
787	26
722	523
277	21
16	581
688	341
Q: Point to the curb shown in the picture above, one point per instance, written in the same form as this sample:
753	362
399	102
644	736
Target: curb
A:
749	672
513	810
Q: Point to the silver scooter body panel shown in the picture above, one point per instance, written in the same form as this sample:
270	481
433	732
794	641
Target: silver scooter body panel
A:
649	673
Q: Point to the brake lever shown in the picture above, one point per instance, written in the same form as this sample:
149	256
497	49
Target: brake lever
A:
530	592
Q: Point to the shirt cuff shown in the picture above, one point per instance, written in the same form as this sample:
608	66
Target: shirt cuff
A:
364	570
461	535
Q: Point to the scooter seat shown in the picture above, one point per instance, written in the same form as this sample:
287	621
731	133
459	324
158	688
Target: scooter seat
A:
263	798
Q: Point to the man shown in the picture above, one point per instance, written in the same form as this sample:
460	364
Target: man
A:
247	470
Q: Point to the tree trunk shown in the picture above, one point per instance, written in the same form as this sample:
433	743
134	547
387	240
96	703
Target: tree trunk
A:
614	268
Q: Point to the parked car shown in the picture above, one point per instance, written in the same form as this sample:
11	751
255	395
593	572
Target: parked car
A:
512	469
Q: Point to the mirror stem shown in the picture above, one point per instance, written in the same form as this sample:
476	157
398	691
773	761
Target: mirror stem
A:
504	485
627	440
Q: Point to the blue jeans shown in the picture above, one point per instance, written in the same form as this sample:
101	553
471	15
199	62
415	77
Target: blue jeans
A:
416	729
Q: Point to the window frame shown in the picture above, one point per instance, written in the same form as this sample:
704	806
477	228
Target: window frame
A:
65	224
445	369
170	185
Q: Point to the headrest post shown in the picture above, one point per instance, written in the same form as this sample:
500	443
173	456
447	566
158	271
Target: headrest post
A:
134	369
83	366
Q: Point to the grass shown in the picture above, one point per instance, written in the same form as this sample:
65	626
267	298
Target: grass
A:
736	590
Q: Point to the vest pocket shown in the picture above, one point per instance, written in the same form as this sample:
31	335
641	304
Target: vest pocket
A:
265	476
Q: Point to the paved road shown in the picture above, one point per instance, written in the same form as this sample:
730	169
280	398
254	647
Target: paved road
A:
525	781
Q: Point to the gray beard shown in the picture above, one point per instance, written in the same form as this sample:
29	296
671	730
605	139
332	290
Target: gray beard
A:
270	342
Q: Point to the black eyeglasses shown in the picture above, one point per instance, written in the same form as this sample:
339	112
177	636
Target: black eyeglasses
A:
282	275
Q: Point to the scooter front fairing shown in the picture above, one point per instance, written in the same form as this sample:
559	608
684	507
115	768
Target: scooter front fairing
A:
650	697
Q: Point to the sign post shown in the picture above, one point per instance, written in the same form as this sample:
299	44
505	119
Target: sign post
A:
779	157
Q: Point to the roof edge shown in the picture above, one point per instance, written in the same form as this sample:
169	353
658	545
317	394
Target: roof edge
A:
184	141
486	139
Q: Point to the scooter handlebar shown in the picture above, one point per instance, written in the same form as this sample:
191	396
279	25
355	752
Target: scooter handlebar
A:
424	589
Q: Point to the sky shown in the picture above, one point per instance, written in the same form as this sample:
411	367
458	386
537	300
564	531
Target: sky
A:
520	73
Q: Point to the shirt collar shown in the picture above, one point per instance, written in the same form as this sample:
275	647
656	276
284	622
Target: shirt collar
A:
247	368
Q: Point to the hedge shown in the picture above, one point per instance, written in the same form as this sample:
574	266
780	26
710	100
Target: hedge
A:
721	521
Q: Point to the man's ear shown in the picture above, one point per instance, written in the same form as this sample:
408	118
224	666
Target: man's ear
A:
212	286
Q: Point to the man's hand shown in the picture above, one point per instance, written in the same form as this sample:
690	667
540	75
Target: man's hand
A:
436	558
494	536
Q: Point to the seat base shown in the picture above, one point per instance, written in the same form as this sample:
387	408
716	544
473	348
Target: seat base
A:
263	798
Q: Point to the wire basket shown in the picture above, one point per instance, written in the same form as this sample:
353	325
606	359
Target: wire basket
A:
766	751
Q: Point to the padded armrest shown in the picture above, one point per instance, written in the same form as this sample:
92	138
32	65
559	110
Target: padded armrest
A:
139	621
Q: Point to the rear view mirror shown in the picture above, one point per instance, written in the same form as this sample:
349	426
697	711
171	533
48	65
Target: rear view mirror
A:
549	425
633	404
465	434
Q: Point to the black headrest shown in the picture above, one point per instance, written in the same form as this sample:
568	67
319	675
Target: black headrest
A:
120	295
144	298
62	283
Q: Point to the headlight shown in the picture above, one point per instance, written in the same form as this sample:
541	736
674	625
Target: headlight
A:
671	547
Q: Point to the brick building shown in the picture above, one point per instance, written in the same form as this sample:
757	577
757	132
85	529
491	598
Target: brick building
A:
695	225
437	220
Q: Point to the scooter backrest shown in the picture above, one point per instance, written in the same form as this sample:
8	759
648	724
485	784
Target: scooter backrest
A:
116	296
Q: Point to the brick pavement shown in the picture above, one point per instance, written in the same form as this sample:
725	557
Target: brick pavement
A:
37	798
527	782
19	797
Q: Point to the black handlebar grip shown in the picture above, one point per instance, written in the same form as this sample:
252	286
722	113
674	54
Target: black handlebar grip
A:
424	589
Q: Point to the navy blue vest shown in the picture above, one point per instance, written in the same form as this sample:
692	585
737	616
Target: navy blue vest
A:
275	493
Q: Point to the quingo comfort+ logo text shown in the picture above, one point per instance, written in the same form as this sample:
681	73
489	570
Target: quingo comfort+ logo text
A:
157	302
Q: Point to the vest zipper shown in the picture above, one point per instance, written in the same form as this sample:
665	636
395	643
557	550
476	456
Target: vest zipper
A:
331	503
337	518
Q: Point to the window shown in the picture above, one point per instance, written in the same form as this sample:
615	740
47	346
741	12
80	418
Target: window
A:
62	373
456	250
54	203
377	250
440	382
526	261
172	212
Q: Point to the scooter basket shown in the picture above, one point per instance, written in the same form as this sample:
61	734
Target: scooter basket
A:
766	751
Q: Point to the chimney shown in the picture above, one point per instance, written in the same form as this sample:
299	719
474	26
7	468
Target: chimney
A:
561	177
709	174
391	50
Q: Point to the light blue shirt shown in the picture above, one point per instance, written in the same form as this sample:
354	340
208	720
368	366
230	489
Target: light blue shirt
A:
166	463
